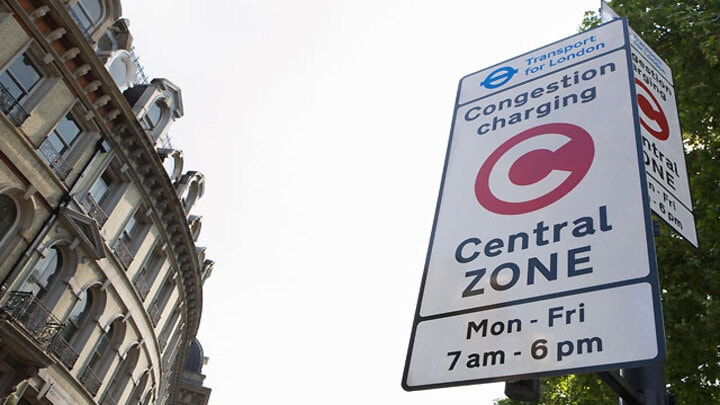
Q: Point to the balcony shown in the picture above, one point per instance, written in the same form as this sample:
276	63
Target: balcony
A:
141	285
155	313
108	400
55	160
123	253
94	210
25	310
64	352
11	107
90	381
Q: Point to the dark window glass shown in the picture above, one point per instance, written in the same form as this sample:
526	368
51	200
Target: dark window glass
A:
64	134
8	215
41	279
20	77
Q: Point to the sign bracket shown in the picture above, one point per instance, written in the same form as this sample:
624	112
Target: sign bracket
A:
621	387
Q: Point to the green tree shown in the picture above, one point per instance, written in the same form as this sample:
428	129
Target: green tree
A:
687	35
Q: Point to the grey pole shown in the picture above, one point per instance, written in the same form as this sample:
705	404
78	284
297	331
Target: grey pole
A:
649	381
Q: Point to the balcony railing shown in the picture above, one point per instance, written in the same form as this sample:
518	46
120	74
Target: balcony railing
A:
123	253
109	400
64	352
155	312
94	210
90	381
141	285
23	308
11	107
55	160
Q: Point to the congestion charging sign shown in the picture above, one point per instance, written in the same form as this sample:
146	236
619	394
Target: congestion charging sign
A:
541	260
663	152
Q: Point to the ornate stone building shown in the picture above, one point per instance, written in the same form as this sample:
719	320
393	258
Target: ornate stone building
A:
100	272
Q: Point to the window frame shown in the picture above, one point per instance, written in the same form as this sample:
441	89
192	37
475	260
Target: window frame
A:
38	282
149	271
25	217
132	235
116	180
122	375
162	298
65	269
99	361
20	109
17	74
83	15
63	161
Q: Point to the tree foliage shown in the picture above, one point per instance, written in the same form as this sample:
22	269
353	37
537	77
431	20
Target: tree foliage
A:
687	35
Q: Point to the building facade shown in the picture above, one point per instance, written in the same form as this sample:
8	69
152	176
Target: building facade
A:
100	272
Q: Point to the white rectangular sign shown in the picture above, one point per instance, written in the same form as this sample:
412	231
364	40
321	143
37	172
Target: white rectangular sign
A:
553	335
663	151
542	206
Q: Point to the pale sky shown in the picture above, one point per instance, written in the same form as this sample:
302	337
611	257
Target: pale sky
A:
321	127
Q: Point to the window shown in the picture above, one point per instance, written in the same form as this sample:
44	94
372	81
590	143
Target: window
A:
168	328
148	273
101	348
131	237
87	13
16	83
96	197
8	215
151	119
104	194
123	374
161	299
78	314
102	356
100	190
132	229
78	326
137	393
20	78
44	274
57	145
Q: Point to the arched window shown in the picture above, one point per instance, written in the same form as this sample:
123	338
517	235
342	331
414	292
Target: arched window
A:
152	118
78	314
78	326
8	215
17	214
87	13
137	393
102	356
45	273
123	374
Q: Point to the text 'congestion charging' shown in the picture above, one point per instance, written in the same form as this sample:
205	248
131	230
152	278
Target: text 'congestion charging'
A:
539	102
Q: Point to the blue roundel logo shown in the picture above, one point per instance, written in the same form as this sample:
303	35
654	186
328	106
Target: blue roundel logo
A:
498	77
